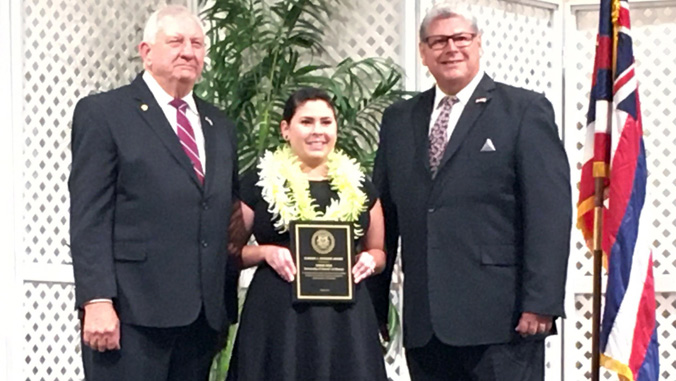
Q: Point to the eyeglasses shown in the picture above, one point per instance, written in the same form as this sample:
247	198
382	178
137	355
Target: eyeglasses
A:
460	40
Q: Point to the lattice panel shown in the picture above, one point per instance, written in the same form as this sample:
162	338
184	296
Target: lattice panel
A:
654	35
51	326
518	42
395	360
71	49
666	333
360	29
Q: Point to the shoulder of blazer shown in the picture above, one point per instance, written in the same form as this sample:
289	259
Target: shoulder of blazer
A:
400	112
132	94
209	110
517	94
106	103
406	105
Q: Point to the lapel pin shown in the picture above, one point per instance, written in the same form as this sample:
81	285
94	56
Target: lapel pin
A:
208	120
480	100
144	107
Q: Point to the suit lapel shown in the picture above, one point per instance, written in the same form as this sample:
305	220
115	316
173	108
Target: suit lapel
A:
208	129
420	120
154	117
474	107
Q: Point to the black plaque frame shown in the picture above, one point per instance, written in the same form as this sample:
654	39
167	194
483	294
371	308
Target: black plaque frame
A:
323	254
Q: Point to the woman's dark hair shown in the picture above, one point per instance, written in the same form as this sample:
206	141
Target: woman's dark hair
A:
303	95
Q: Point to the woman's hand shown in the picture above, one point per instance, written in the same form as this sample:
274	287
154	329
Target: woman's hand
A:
365	266
279	258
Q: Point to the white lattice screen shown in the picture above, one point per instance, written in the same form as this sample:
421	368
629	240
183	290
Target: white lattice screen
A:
654	36
361	29
52	341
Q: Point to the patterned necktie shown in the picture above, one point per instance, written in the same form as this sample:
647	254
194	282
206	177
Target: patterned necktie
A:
438	133
186	136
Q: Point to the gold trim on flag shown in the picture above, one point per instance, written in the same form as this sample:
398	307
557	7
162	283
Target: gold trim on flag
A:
600	169
622	370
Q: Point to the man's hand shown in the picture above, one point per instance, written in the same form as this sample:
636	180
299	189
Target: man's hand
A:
101	327
531	324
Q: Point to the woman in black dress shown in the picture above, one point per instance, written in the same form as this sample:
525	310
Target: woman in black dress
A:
307	180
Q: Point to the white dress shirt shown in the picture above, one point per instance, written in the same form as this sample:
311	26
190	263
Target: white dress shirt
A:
463	97
163	99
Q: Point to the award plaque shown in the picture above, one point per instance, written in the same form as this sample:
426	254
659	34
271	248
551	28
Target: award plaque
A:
322	251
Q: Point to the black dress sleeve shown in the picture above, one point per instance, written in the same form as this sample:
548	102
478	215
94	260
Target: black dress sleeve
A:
371	193
249	192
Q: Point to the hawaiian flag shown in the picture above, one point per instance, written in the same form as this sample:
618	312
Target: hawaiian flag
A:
614	152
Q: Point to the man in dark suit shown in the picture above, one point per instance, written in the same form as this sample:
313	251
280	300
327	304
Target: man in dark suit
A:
152	185
475	181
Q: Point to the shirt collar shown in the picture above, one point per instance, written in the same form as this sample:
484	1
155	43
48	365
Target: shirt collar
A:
162	97
462	95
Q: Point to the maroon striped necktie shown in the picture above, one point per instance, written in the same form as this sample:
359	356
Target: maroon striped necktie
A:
186	136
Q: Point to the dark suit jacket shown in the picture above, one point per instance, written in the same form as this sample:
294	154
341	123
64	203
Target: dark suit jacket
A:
144	231
488	238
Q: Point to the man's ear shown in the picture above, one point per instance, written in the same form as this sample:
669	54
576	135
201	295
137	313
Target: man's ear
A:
144	50
420	52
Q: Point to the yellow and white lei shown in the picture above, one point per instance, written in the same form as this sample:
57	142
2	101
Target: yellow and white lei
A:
286	189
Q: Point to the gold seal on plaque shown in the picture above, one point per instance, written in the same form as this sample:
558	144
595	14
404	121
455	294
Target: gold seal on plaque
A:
323	241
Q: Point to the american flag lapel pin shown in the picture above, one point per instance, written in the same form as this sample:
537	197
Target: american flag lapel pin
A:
480	100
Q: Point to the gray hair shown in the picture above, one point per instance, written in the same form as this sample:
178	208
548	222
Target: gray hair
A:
444	11
156	18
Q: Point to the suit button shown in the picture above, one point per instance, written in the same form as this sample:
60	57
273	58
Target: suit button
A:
430	210
205	244
205	206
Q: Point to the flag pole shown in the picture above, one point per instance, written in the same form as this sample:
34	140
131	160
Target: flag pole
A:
598	258
600	176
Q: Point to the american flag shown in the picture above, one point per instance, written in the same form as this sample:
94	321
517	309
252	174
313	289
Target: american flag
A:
614	151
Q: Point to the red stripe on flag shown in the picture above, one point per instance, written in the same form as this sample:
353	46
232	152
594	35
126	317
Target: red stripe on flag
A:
645	321
621	81
601	147
621	181
623	19
587	182
604	52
